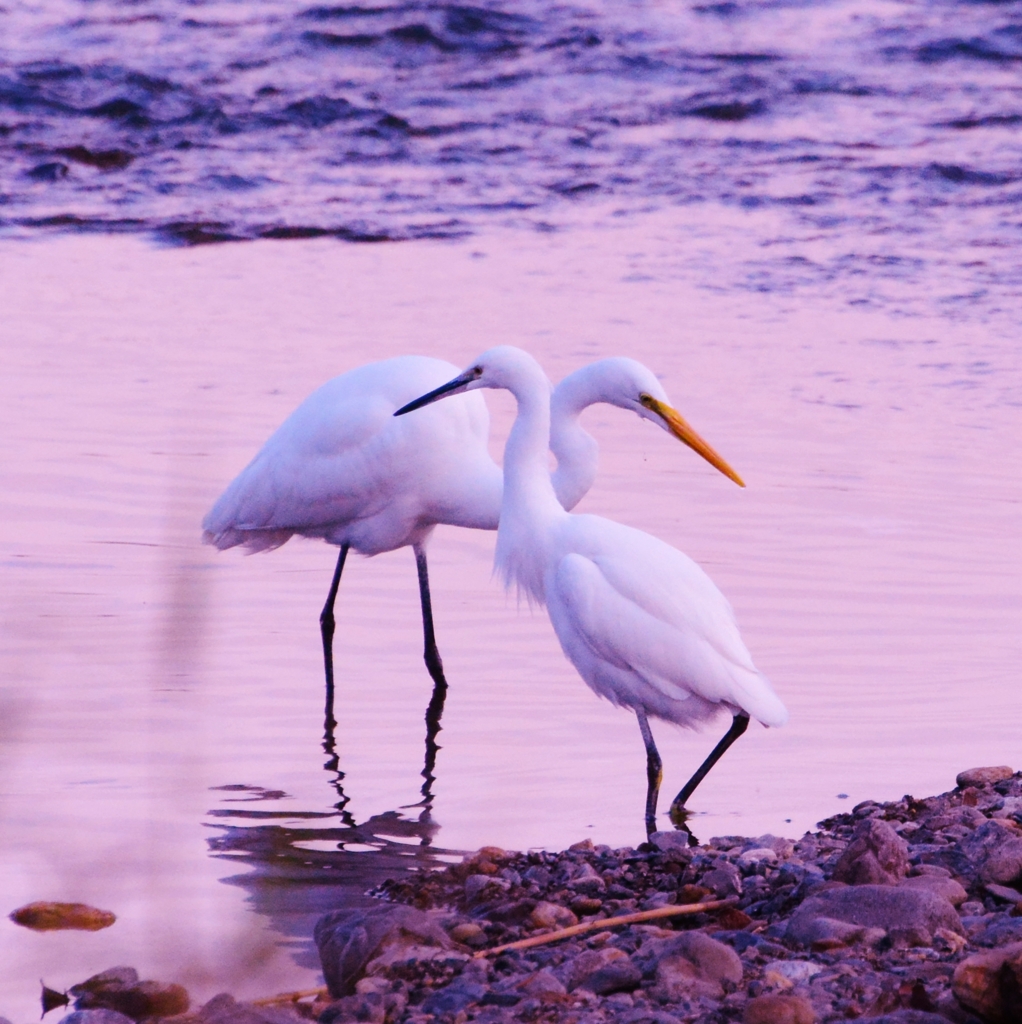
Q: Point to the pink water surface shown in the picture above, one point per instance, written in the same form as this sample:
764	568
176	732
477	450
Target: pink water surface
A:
873	560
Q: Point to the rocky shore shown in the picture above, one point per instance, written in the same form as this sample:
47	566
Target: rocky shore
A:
905	912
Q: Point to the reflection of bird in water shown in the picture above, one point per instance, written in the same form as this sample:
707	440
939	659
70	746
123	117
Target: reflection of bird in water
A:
342	468
643	624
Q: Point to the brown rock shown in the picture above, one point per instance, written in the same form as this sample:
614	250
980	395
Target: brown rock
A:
468	933
692	964
119	989
779	1010
990	984
693	894
542	983
43	916
983	776
550	915
877	855
1004	864
733	919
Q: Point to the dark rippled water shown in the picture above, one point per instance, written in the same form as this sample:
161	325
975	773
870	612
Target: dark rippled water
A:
894	123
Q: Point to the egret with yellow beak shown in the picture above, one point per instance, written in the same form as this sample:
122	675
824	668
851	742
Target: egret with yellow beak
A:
643	624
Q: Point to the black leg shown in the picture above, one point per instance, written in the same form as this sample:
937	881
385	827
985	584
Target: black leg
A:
738	726
430	654
654	772
326	628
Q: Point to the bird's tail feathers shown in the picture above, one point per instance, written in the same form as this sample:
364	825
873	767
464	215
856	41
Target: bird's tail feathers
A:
252	540
760	701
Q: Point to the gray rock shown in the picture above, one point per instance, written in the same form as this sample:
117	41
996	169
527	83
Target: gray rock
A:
96	1017
676	840
587	880
723	879
822	933
1000	933
476	887
894	909
590	962
617	976
969	856
349	939
751	859
1004	892
877	855
454	997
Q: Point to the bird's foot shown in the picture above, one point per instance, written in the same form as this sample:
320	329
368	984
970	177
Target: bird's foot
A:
679	815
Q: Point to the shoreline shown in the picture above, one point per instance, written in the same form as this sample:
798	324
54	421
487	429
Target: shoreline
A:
906	911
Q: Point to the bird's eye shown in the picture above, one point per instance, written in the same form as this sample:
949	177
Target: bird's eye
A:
646	400
477	371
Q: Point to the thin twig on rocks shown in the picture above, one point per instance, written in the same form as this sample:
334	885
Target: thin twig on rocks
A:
610	922
291	997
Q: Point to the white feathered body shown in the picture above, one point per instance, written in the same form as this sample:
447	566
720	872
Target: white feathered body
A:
343	468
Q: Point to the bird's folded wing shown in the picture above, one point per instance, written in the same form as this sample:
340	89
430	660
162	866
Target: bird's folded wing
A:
673	657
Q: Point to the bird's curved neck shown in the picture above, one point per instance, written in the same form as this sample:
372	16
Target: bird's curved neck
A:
576	451
530	507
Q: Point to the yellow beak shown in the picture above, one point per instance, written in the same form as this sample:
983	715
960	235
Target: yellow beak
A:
683	432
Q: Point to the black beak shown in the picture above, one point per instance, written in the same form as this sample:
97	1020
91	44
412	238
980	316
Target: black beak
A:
450	388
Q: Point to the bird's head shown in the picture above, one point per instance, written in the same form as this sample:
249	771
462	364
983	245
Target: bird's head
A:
628	384
500	367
